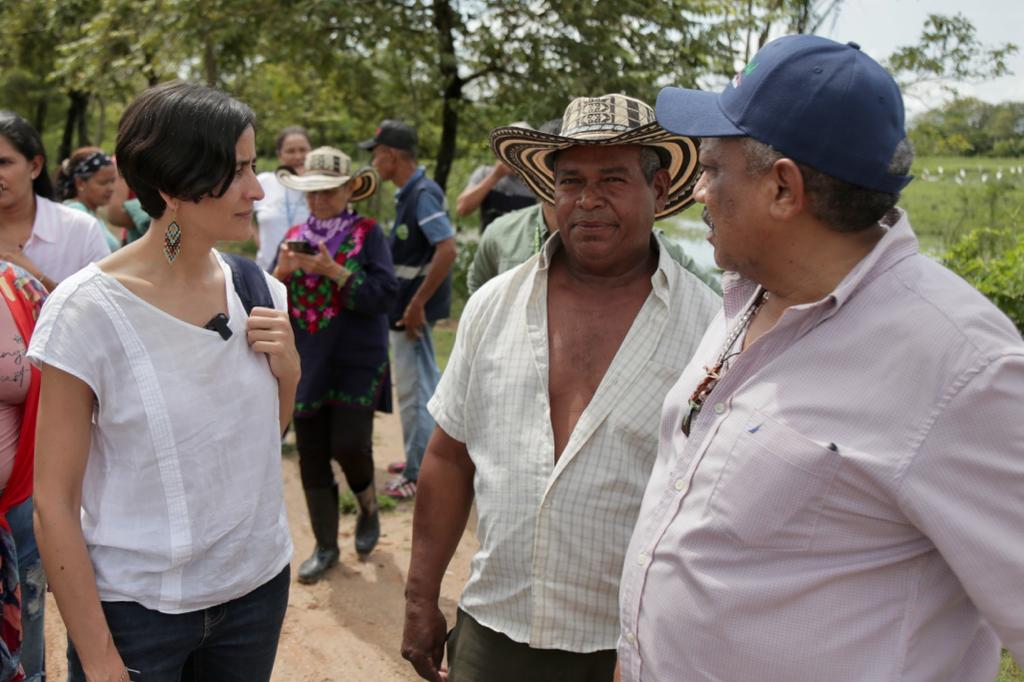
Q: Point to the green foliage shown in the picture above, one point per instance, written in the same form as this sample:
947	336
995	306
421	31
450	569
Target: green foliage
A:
347	503
1009	671
992	260
949	50
460	274
970	127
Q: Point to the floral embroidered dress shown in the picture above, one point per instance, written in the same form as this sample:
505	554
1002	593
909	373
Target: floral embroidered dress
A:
24	297
342	333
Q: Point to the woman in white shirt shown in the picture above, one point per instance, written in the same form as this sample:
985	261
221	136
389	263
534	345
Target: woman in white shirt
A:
47	239
281	207
159	503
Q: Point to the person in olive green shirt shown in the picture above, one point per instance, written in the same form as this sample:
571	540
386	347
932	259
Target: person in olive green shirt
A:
514	237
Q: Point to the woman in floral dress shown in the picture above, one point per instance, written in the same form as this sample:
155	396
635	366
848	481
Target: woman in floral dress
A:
341	284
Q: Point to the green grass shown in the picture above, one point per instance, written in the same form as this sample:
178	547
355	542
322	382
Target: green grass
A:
944	206
347	503
444	339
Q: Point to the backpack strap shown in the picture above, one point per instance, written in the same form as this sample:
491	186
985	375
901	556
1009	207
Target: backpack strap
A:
249	281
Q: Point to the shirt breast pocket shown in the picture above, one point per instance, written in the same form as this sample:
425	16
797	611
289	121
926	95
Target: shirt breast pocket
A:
772	488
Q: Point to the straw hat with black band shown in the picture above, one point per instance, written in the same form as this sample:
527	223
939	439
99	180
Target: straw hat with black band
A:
605	121
327	168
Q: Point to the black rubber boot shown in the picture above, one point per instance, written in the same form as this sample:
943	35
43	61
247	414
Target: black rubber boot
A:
323	515
368	521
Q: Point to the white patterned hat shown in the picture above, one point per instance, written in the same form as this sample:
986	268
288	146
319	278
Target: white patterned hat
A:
327	168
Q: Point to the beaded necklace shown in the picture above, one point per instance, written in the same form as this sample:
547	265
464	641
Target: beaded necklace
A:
715	372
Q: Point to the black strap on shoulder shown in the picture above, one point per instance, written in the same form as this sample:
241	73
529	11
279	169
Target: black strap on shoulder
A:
249	281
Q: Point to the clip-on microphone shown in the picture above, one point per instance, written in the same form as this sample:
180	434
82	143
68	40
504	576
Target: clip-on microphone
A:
219	324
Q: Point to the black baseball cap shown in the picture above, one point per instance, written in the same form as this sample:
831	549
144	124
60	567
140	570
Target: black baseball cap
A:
391	133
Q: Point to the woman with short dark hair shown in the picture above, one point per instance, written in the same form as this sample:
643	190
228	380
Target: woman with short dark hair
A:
159	499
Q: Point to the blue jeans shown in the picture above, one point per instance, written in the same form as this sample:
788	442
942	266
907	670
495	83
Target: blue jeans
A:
33	592
232	642
416	377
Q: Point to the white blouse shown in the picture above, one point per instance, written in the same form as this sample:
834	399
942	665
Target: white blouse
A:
63	240
279	209
182	503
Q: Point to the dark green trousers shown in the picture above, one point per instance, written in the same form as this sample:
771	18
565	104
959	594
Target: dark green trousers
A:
479	654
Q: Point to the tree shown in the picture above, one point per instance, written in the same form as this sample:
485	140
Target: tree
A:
489	62
970	127
948	51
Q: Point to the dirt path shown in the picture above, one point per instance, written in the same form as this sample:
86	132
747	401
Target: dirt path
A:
348	626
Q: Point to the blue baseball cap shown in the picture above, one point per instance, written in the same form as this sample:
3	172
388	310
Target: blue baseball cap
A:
819	102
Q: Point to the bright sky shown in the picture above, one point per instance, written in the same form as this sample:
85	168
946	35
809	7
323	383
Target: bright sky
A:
880	26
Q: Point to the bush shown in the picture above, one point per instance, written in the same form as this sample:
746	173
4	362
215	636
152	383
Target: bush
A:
993	262
460	275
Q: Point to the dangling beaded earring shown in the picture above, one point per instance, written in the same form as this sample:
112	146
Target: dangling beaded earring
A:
172	241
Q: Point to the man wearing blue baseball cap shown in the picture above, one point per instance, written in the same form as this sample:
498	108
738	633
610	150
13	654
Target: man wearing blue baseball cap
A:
839	490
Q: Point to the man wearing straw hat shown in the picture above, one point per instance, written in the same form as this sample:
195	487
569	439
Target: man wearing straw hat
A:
547	412
513	238
840	481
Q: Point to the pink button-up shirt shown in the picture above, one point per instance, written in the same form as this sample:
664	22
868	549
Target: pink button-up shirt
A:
850	502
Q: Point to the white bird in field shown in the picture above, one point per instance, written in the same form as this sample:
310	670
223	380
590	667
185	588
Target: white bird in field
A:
940	170
984	178
963	173
959	180
999	175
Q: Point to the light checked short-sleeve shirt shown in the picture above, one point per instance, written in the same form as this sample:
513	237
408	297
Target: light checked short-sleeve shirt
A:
849	505
552	536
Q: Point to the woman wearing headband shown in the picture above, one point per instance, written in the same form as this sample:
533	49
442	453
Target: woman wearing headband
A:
46	239
50	242
341	284
85	181
159	499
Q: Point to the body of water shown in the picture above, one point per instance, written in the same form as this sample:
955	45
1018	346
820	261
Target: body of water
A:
691	234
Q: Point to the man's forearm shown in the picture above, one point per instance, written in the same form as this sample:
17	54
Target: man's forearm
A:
439	267
444	496
471	198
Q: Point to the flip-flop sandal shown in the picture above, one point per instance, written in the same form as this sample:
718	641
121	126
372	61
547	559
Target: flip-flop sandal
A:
401	489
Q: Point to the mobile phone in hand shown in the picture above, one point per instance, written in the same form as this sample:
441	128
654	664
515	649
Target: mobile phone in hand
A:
301	246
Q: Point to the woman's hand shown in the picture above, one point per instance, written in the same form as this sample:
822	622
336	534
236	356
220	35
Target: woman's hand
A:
287	263
269	331
111	669
322	263
18	257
